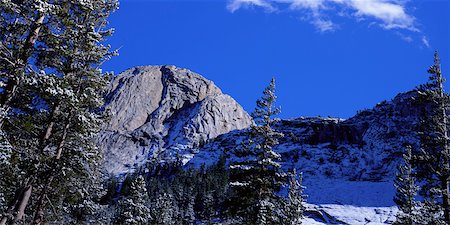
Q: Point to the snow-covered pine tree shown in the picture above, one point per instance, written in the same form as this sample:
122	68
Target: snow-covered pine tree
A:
256	177
6	172
214	196
433	163
74	109
21	23
406	191
294	206
132	209
264	214
185	197
20	26
208	207
430	212
53	134
164	211
188	211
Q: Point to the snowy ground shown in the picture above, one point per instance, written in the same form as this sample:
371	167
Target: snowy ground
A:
348	214
338	200
333	201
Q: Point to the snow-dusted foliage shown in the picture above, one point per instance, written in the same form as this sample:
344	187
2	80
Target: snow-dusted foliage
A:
164	211
50	168
407	188
256	177
433	169
295	204
132	209
50	52
5	150
5	157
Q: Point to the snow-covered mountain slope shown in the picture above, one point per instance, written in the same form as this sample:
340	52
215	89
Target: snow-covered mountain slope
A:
365	147
163	110
173	114
348	165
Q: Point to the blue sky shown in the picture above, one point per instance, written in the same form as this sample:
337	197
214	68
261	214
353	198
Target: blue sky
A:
329	57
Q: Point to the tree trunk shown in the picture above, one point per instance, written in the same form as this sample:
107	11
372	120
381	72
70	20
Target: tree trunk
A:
23	204
32	38
12	205
39	214
3	221
12	83
48	132
39	211
17	207
24	193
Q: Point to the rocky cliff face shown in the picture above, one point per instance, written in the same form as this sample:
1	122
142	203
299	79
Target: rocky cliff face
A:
365	147
164	111
169	113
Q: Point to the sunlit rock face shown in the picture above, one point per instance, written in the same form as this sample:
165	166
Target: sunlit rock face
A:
166	111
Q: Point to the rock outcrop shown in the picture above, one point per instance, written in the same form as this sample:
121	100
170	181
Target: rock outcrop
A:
166	111
367	146
174	114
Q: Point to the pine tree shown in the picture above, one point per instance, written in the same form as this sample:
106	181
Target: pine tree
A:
133	209
5	172
164	211
294	206
188	212
208	207
264	214
21	23
20	26
55	156
256	177
406	191
185	197
433	163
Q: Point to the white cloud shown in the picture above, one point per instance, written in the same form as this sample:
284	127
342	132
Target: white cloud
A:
311	4
237	4
404	37
389	14
425	41
315	16
324	25
392	14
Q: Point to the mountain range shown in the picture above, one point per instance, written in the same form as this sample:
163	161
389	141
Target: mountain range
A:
167	113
